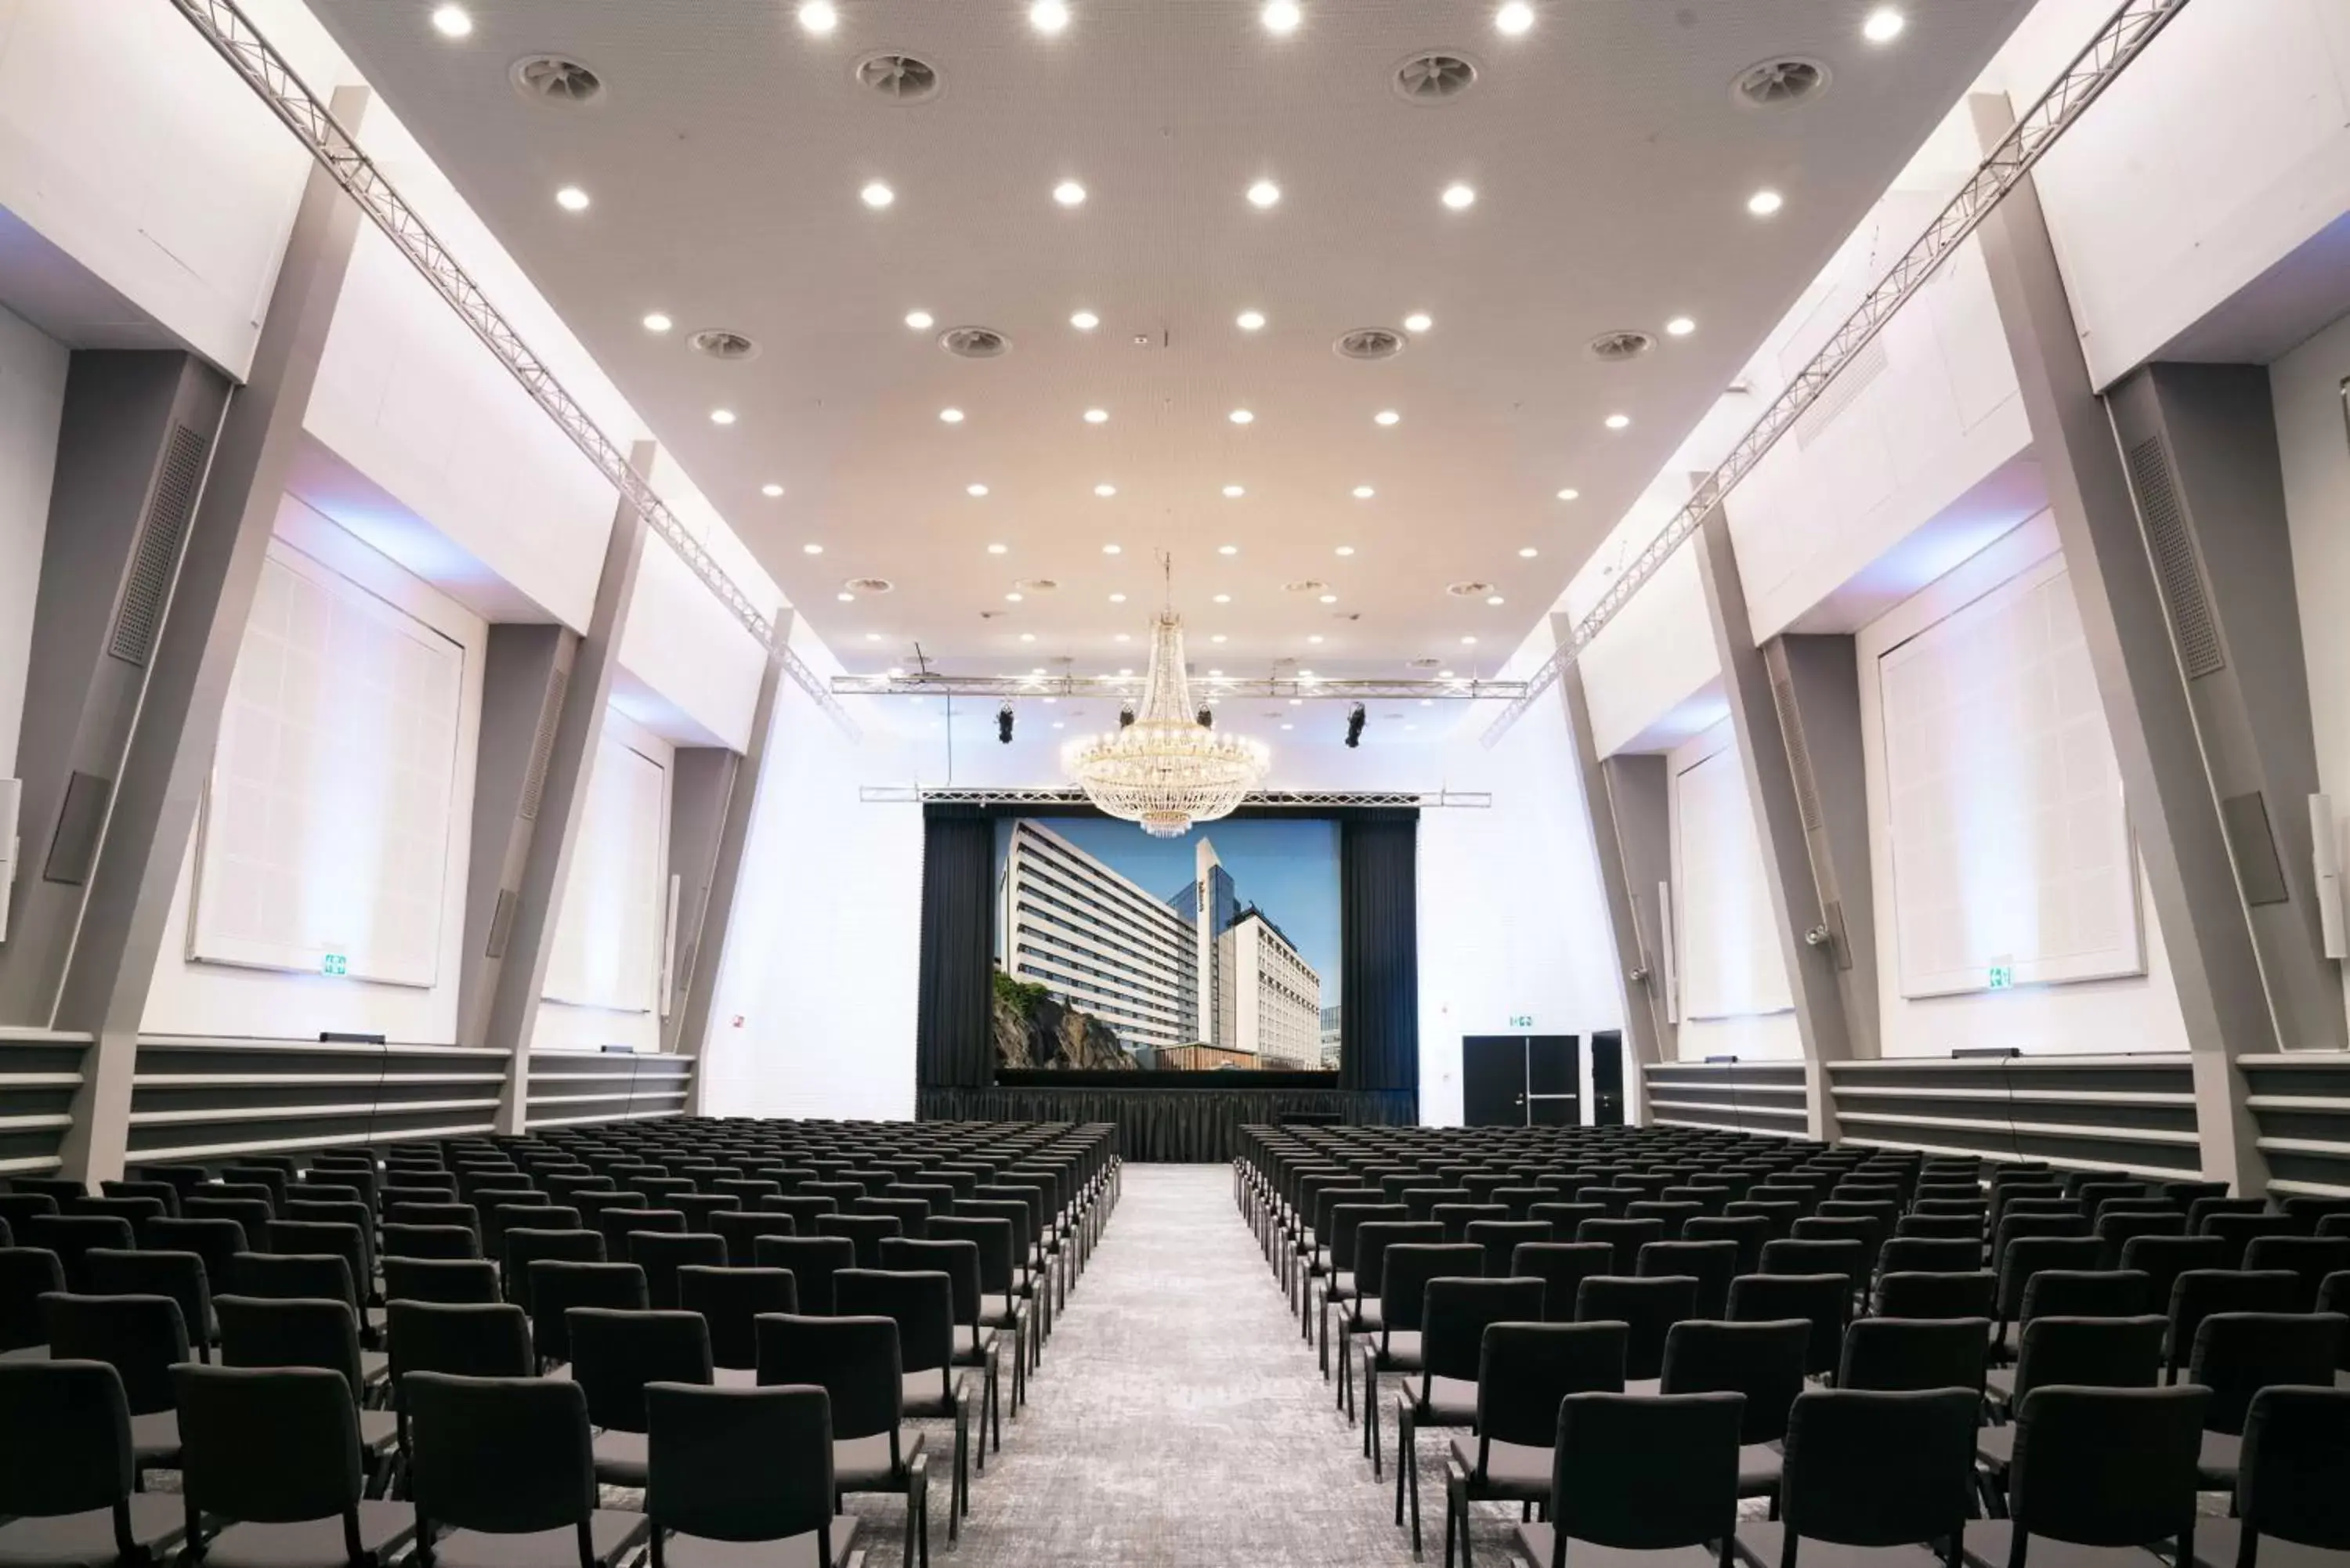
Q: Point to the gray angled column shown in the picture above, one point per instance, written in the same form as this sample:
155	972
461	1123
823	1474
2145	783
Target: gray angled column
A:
121	926
520	981
695	991
2215	963
1779	823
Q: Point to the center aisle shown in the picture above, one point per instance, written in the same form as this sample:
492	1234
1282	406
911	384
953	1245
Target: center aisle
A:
1178	1418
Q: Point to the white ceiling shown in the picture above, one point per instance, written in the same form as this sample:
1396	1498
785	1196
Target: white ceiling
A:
1612	166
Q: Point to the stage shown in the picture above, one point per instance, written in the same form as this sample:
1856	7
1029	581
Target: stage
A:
1170	1117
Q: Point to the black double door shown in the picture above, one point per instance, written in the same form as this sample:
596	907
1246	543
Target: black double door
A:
1607	1078
1521	1080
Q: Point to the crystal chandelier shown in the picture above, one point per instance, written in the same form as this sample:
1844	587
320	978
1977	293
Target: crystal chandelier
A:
1165	769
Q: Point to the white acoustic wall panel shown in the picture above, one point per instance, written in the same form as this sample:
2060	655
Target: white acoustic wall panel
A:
2011	856
324	839
1731	966
608	928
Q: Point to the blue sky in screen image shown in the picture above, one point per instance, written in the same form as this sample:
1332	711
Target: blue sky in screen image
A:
1288	869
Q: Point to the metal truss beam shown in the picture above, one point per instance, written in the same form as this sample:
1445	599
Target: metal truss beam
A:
232	34
1131	686
2124	36
1277	799
810	681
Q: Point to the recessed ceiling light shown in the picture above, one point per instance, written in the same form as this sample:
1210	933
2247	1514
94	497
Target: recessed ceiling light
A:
1346	549
1057	724
1329	598
771	491
1242	417
997	549
1280	16
975	490
1315	638
1048	17
1113	550
451	21
1084	321
872	637
1444	675
1218	638
1385	417
1117	598
1679	327
1363	492
897	673
1619	421
1467	642
721	415
571	198
1097	416
1264	194
1250	320
1105	492
949	416
1762	203
1459	197
1418	321
1223	599
818	16
1069	193
845	597
1528	553
1129	669
1570	494
1514	18
657	322
877	195
1234	492
1027	637
812	549
1884	25
1228	549
1122	637
1492	598
920	320
1012	598
1218	673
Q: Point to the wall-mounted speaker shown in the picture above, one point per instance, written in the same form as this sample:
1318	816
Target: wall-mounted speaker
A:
2325	852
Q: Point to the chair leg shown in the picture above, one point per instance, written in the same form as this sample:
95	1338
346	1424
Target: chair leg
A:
1371	1406
995	1404
1403	1452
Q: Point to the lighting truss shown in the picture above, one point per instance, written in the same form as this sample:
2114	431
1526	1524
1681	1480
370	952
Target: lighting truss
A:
810	681
1277	799
276	84
1000	686
2124	36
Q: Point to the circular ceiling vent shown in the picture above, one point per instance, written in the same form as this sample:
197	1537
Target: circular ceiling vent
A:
974	342
1469	590
1306	585
868	584
717	343
899	77
1615	348
555	79
1423	663
1437	77
1781	83
1036	584
1370	343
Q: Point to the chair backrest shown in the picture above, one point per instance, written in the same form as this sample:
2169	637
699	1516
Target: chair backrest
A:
65	1442
853	1359
179	1275
1825	1301
1372	1240
661	1253
1747	1233
2310	1258
1800	1255
2090	1352
863	1231
2289	1483
1649	1307
1895	1353
72	1237
923	1307
2107	1467
1880	1468
141	1337
814	1261
269	1445
1969	1293
1524	1369
1500	1239
742	1229
1645	1473
292	1276
1456	1313
1404	1274
557	1287
2238	1354
1562	1266
614	1354
730	1301
2198	1292
450	1280
1627	1237
1712	1264
740	1464
507	1456
434	1242
469	1339
2116	1231
2024	1257
290	1331
2240	1230
1929	1255
1763	1361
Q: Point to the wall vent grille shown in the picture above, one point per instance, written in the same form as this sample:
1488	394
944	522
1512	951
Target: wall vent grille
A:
542	746
2171	542
148	587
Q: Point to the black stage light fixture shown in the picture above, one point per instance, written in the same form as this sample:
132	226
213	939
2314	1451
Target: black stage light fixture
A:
1004	717
1125	714
1207	717
1355	725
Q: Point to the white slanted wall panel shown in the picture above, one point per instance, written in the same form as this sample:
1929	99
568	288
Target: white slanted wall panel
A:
1732	979
681	642
2010	910
32	402
323	888
604	975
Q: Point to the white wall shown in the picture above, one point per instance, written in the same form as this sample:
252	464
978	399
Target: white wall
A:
680	641
2306	387
191	998
1658	651
593	916
1728	963
32	402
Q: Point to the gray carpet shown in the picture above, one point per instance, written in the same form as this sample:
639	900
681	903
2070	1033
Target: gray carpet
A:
1178	1418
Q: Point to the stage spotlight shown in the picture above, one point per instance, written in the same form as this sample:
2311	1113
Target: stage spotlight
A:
1207	717
1004	717
1355	725
1125	714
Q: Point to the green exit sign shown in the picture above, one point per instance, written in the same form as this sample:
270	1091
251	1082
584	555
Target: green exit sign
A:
1522	1021
2002	977
335	963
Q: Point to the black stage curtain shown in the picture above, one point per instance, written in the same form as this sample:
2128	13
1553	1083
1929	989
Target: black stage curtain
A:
1378	924
951	1043
1170	1126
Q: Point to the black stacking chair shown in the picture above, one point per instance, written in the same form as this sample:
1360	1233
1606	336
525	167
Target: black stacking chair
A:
504	1465
2200	1293
26	1275
1405	1273
1626	1237
741	1229
1712	1264
1500	1239
1748	1232
923	1307
1650	1474
1804	1255
1001	1307
68	1472
17	1206
2087	1352
730	1301
1894	1355
1972	1294
273	1466
433	1241
1562	1266
2289	1486
556	1288
2098	1467
1872	1470
1762	1361
179	1275
526	1247
1650	1307
1455	1316
864	1232
469	1339
958	1260
2020	1263
2162	1258
143	1338
614	1354
450	1281
662	1254
2309	1258
740	1465
813	1261
1523	1371
72	1237
313	1331
2237	1355
2241	1230
1928	1255
1825	1301
854	1361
